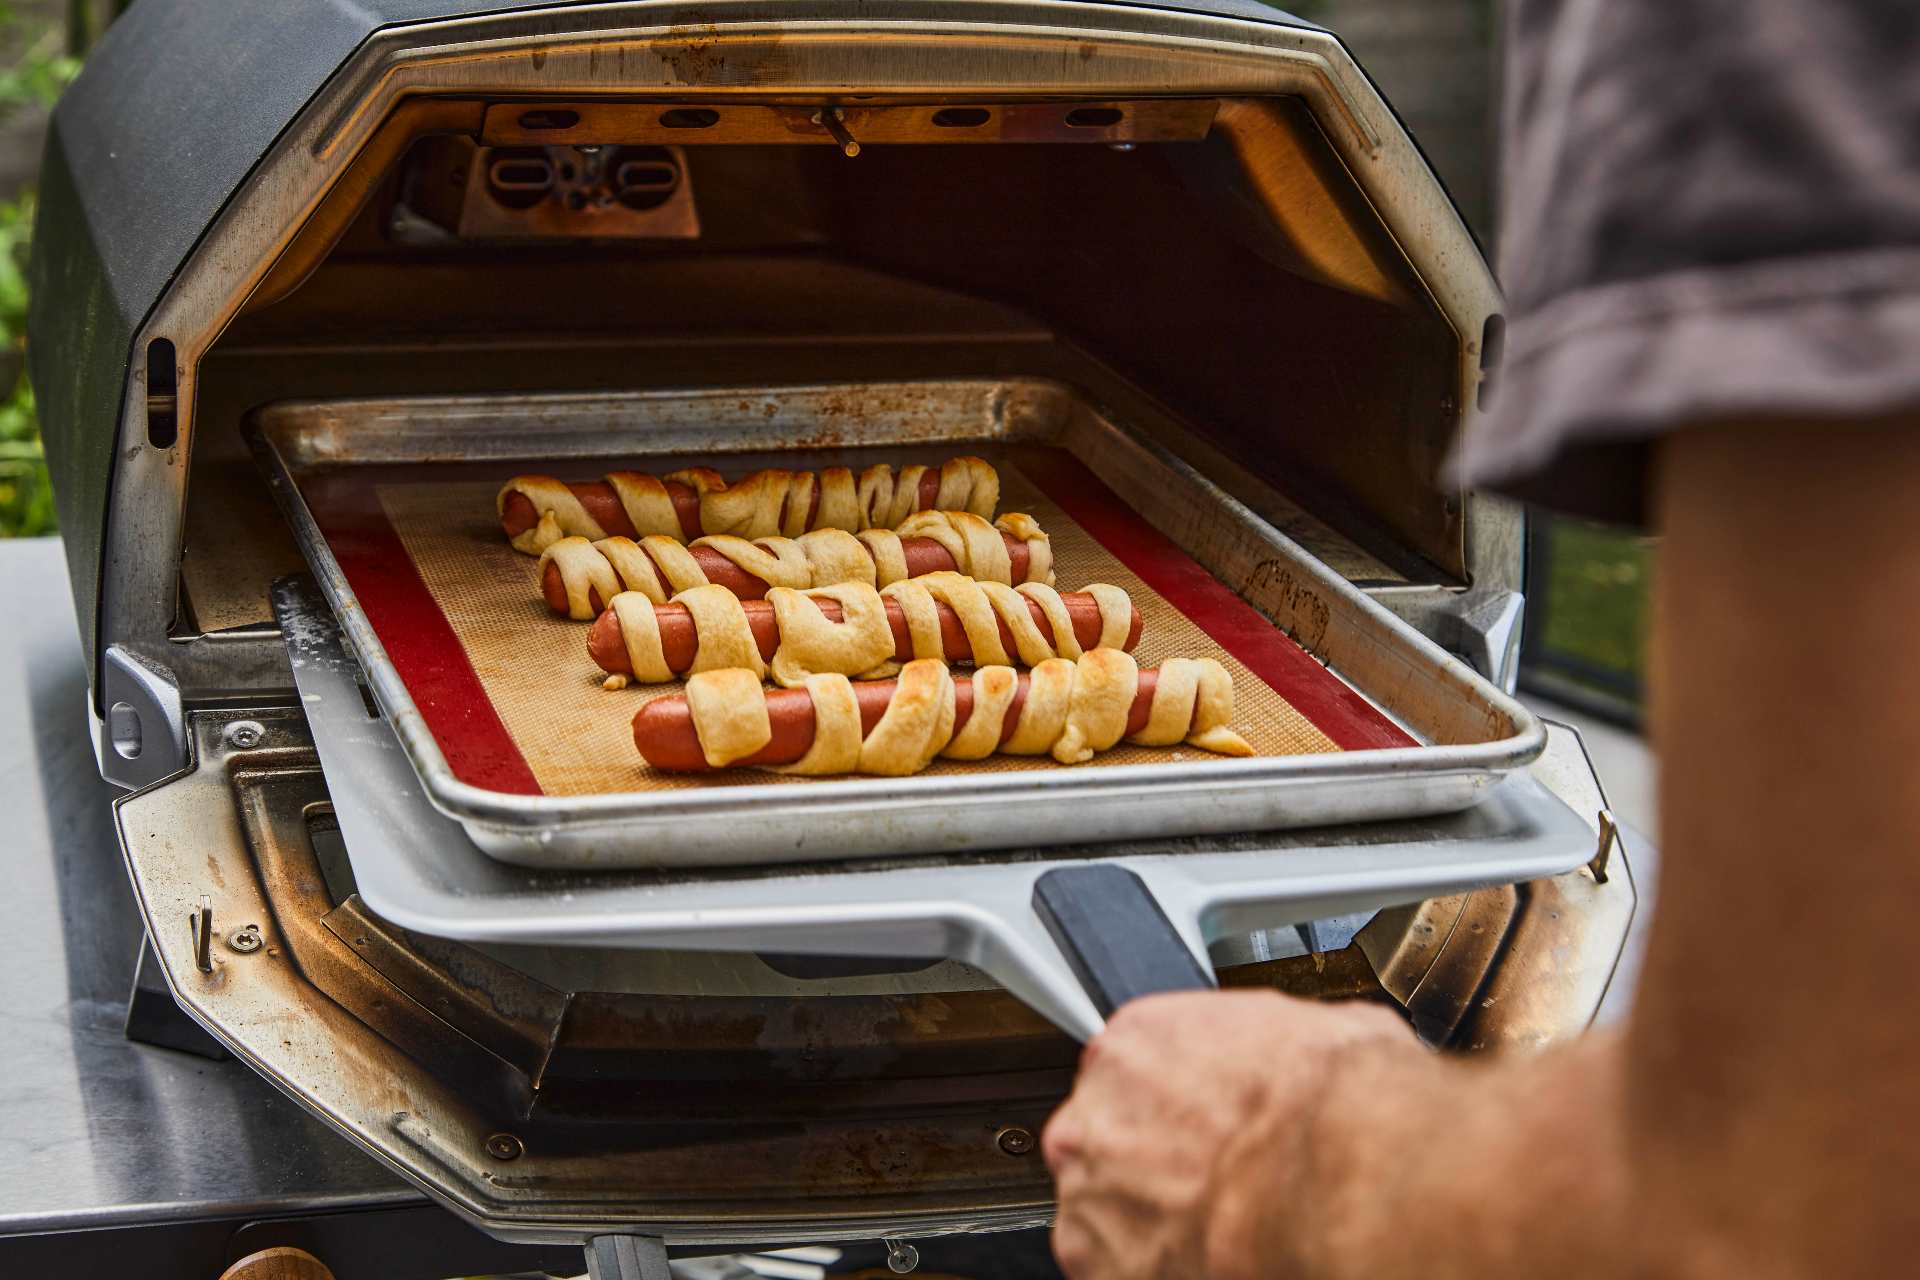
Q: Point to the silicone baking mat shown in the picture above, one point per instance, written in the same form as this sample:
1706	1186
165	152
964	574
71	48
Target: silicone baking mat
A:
516	705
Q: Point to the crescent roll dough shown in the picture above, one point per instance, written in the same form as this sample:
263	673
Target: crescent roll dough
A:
561	513
640	630
836	729
1193	703
975	545
1104	682
725	639
809	644
983	607
582	570
916	724
648	505
729	713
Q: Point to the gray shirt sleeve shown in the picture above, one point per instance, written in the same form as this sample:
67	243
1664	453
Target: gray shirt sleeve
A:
1711	212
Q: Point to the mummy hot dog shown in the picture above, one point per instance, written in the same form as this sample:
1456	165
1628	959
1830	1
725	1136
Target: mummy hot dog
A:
853	630
1068	710
537	511
579	578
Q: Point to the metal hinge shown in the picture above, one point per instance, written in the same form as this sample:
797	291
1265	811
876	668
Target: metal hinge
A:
143	736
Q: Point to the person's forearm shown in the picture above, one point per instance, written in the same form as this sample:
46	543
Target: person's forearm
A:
1756	1118
1762	1094
1415	1164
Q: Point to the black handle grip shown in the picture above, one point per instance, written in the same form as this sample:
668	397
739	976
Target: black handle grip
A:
1114	934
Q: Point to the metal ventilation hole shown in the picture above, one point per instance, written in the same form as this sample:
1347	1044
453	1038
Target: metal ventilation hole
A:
520	177
644	177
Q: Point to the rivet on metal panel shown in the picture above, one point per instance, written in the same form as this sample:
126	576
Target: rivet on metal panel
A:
901	1256
1609	836
246	941
245	734
201	925
504	1146
1014	1140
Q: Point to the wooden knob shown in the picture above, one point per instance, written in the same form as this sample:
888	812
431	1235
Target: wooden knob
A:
278	1264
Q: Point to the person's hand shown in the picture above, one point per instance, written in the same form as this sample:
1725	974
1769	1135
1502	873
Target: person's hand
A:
1189	1111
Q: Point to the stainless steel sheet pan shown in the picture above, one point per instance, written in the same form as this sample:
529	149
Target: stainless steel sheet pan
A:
415	867
1470	733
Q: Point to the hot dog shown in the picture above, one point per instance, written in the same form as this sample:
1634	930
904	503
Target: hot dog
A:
517	514
536	511
1069	710
679	639
580	578
923	555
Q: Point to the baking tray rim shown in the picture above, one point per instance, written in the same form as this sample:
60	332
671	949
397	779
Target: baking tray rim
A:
419	868
514	813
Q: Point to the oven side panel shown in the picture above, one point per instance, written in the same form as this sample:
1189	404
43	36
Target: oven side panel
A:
174	107
77	362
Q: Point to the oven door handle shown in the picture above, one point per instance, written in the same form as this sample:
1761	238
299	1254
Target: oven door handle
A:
1115	935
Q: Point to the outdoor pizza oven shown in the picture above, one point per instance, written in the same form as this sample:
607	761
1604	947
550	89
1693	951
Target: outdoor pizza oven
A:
1190	246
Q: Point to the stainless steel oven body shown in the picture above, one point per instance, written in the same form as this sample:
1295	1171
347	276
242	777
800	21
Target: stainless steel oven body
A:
1204	219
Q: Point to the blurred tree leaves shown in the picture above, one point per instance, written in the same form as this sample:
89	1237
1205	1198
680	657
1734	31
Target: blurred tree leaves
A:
36	69
26	495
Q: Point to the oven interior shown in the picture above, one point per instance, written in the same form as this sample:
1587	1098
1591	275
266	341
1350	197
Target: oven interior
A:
1207	260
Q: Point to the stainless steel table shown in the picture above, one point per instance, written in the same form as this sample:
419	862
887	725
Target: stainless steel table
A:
124	1155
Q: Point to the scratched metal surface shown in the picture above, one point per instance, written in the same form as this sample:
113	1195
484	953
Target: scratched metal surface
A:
94	1129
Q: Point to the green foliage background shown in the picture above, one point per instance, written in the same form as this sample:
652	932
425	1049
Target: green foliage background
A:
37	68
1598	587
26	496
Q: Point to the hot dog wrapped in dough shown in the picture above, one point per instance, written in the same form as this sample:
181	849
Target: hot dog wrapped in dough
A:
1069	710
537	510
579	577
853	630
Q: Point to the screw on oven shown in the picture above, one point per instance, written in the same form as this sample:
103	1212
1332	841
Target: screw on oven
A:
504	1146
901	1256
245	734
246	941
1014	1140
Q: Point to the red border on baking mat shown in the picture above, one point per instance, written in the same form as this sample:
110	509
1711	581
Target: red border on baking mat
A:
418	639
1350	720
